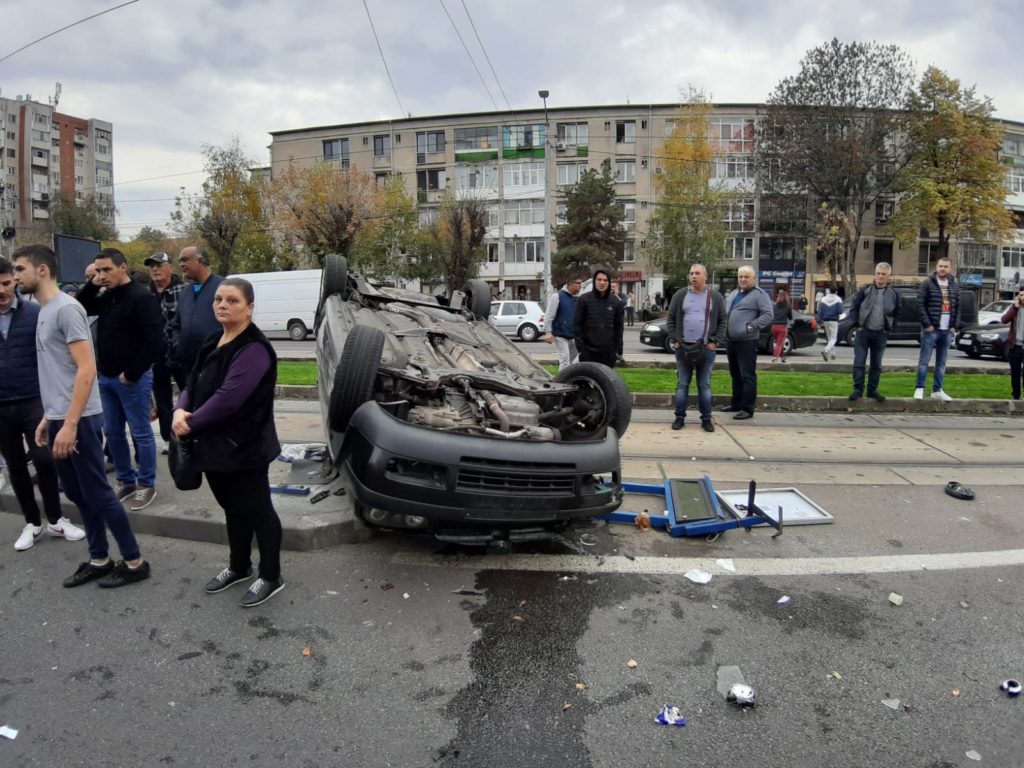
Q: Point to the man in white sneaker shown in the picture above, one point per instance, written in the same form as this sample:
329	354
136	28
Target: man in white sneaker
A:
938	302
20	411
830	307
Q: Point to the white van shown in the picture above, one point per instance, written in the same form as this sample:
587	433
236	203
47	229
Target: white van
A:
285	301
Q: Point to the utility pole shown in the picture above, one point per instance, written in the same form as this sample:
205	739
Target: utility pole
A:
548	151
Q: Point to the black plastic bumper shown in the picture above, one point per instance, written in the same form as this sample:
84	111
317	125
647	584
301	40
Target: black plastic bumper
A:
469	480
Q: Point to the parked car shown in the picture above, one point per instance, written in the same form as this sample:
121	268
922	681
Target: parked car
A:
992	314
440	423
909	326
521	319
978	340
803	332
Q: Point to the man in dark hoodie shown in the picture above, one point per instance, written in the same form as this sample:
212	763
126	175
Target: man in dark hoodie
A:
597	325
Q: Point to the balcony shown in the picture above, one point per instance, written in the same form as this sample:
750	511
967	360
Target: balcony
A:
430	158
382	161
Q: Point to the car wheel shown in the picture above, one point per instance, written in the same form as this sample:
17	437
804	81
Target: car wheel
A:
601	400
355	375
973	355
528	333
668	345
478	298
335	277
851	336
788	345
297	330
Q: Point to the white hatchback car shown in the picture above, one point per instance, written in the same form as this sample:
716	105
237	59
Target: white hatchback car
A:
991	314
522	319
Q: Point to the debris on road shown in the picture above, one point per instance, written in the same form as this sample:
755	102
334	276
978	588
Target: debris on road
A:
728	676
588	540
891	703
643	521
581	686
726	564
836	675
631	664
784	600
307	651
405	595
387	585
1010	687
517	617
895	599
566	706
741	694
959	491
964	604
319	496
466	591
8	733
972	755
698	576
670	715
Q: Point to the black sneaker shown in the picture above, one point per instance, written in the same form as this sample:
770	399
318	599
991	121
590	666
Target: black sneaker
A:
224	579
855	395
707	425
88	572
877	396
731	409
678	423
260	591
122	575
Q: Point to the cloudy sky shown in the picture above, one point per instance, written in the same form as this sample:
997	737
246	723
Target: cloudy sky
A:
172	75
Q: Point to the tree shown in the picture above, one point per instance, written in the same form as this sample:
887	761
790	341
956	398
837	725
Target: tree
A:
155	238
687	225
832	233
954	182
451	247
388	232
320	208
88	218
592	233
835	131
228	205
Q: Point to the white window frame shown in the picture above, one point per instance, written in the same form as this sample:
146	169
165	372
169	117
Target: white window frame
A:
625	171
568	174
572	134
628	131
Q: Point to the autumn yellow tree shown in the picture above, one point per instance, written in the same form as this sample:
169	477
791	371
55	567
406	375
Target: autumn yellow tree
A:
388	233
953	184
319	208
687	225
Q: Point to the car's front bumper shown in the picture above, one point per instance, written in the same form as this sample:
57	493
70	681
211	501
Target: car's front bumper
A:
454	479
980	343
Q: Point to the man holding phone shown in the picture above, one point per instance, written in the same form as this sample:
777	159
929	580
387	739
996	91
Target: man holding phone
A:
1015	341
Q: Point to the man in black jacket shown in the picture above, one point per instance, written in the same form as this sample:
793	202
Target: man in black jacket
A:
166	286
938	302
194	319
597	324
876	310
130	340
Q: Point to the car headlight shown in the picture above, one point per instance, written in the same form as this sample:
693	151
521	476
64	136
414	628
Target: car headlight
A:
988	336
650	329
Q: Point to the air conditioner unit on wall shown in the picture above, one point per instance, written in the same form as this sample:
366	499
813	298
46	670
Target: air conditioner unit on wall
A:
560	146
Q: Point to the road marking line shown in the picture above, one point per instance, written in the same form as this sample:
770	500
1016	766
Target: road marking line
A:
811	566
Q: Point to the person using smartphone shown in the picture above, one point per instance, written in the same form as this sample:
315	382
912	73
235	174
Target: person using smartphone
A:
1015	340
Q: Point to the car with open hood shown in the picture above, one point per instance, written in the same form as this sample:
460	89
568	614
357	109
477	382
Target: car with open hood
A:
439	423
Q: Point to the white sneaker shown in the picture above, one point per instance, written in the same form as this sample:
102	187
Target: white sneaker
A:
65	529
940	395
919	393
30	534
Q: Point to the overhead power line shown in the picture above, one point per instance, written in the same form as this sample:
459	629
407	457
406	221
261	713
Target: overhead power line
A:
401	109
488	58
470	55
69	26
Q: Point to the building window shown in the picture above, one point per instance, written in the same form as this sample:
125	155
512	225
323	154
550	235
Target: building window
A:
79	180
524	174
12	135
1011	146
524	251
336	149
739	248
12	118
625	171
1012	256
883	211
625	131
571	173
40	135
430	181
102	149
470	139
573	134
382	145
427	217
524	212
41	119
428	143
628	213
1015	181
11	153
10	170
476	176
978	258
523	136
561	213
733	167
381	179
492	253
732	134
628	252
739	215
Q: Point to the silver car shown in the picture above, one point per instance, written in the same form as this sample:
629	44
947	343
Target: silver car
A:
521	319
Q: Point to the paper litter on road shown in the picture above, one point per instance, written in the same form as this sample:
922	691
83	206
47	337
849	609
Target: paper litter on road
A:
783	600
726	564
895	599
891	703
972	755
698	576
8	733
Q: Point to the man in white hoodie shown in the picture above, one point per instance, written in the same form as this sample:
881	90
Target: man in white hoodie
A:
829	309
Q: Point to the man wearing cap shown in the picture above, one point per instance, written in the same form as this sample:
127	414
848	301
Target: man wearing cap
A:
597	324
166	286
194	320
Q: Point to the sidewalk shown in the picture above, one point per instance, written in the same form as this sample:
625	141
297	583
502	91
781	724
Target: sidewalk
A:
861	448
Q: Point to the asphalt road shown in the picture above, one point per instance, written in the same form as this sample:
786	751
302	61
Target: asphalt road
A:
371	657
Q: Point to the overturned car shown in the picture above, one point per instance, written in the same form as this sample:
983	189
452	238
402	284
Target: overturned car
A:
439	423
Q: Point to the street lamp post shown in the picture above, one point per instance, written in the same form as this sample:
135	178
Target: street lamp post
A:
546	288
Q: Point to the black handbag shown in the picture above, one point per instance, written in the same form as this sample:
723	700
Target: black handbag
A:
181	461
695	352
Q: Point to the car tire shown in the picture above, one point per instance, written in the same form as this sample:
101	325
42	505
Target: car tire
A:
478	298
355	375
667	345
973	355
297	330
528	333
851	335
788	345
600	390
335	277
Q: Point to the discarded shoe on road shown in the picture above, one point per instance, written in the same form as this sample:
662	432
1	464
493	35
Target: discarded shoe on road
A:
958	491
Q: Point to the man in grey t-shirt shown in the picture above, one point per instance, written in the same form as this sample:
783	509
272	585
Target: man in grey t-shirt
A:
72	421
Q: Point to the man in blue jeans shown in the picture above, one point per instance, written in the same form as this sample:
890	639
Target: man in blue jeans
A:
938	301
875	310
696	316
72	422
130	339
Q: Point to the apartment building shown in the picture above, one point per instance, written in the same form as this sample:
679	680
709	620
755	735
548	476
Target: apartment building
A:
43	154
509	160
